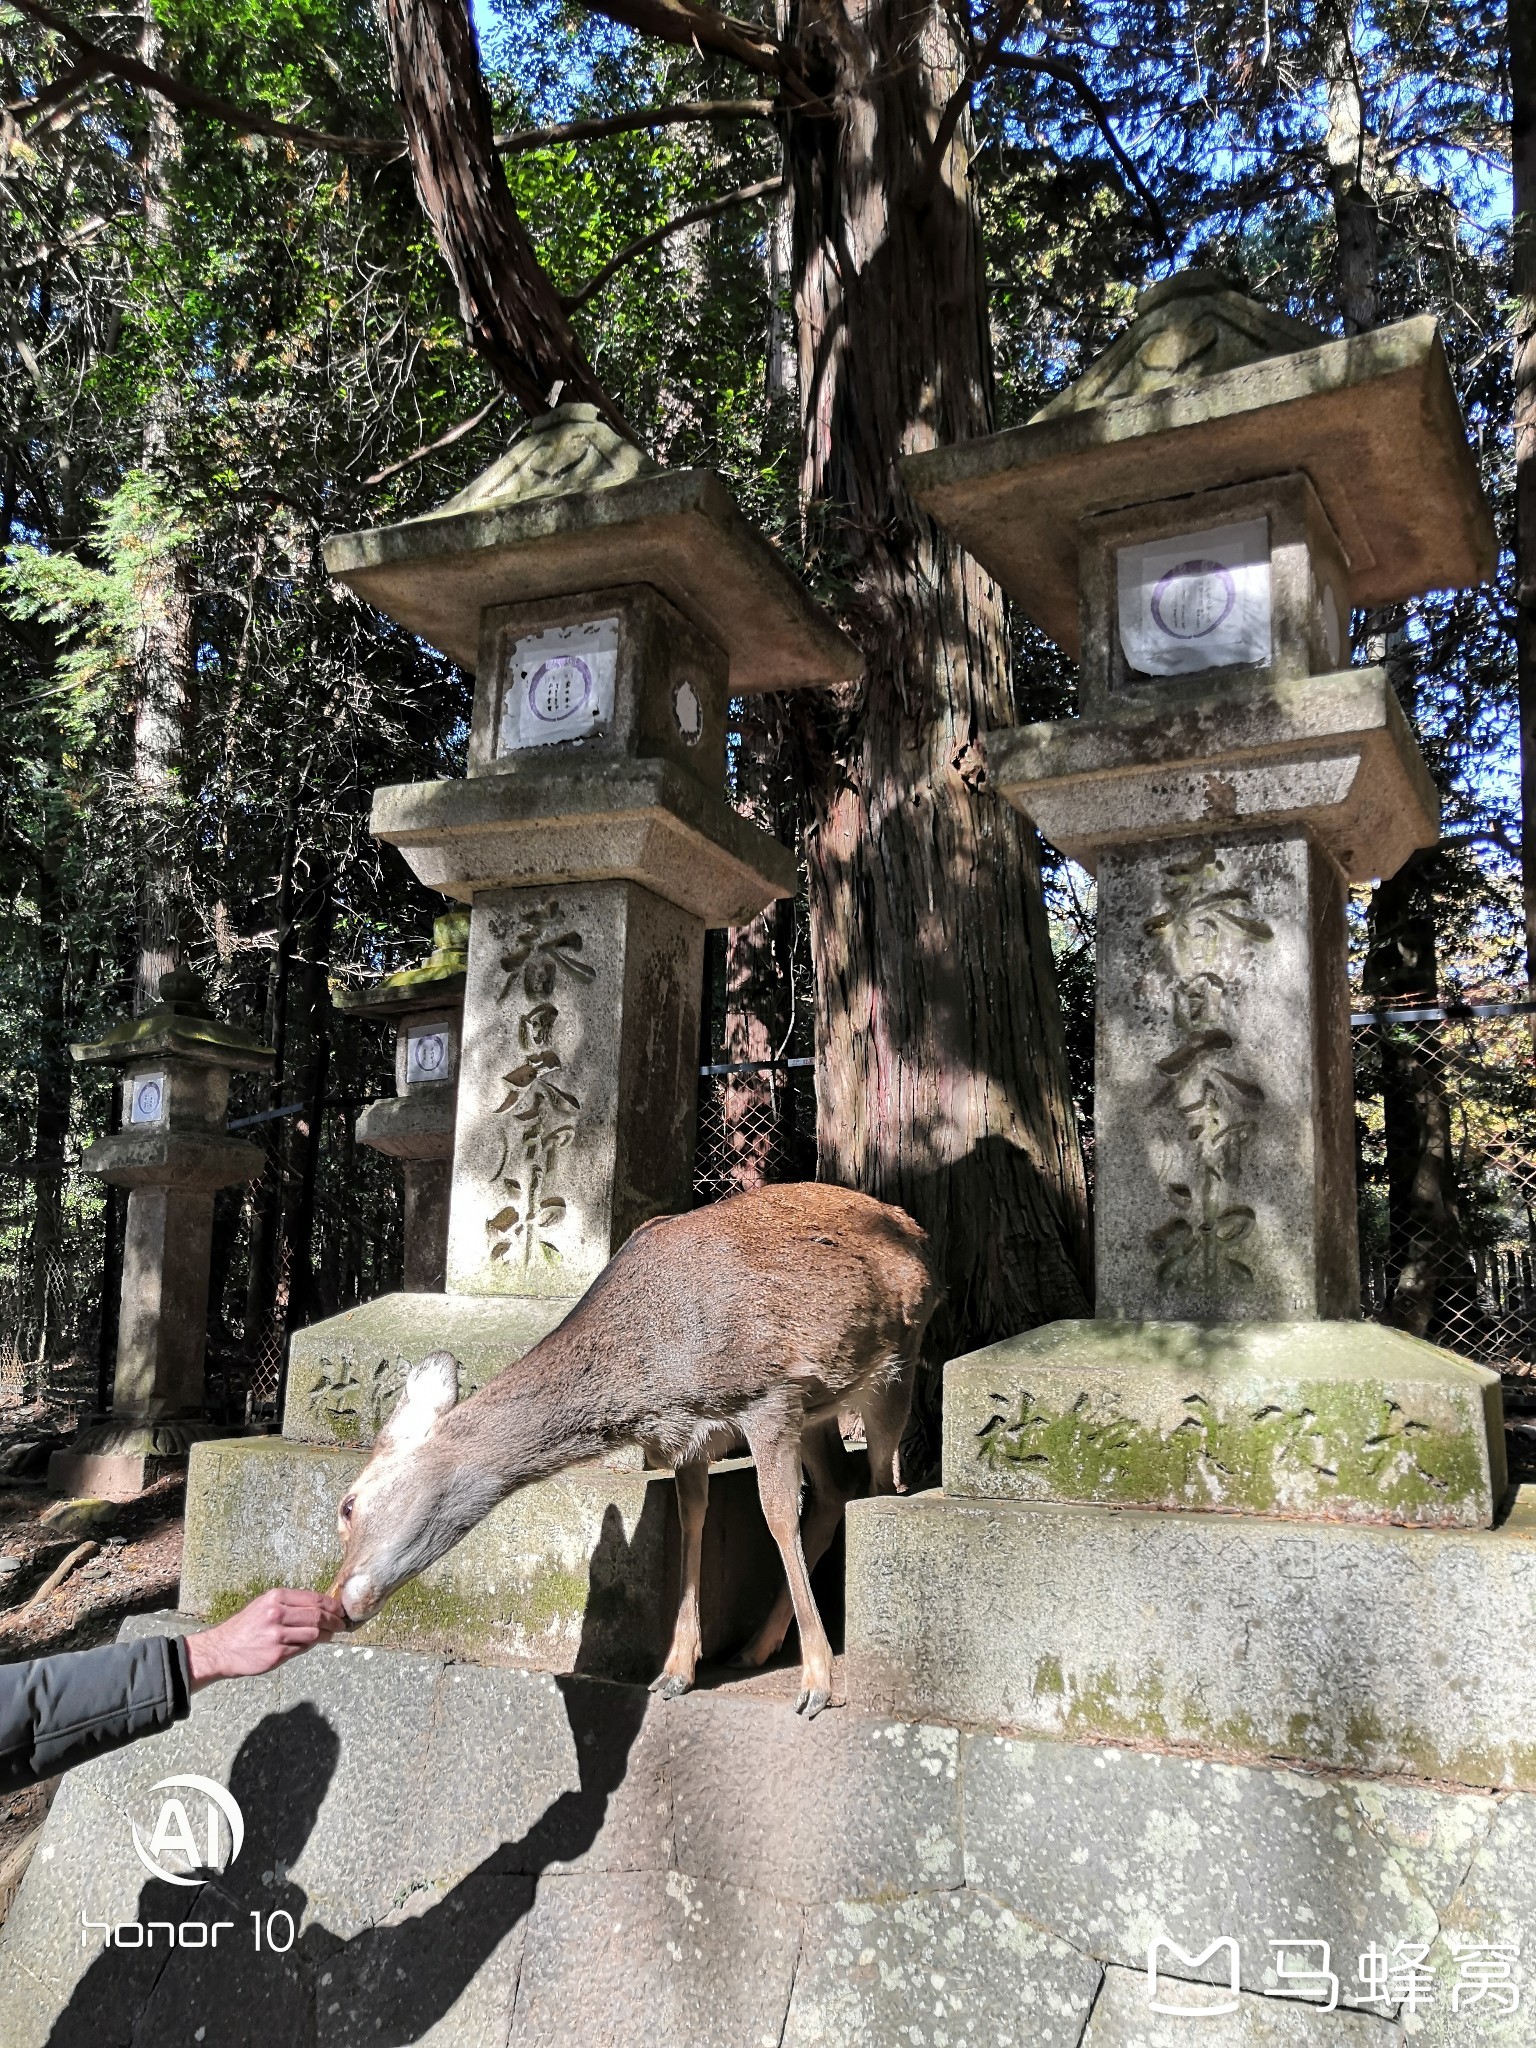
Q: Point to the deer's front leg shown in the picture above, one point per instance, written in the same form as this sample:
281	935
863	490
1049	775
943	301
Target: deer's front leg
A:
676	1675
775	1442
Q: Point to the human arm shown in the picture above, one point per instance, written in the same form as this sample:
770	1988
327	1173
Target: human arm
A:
56	1712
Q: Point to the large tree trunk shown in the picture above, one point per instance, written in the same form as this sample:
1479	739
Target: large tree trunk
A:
163	708
1522	93
941	1068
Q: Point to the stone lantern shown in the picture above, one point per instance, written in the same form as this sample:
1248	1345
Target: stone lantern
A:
173	1153
610	610
1195	520
415	1125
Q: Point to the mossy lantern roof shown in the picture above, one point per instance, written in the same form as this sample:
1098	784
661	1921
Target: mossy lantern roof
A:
574	507
1207	387
178	1027
436	983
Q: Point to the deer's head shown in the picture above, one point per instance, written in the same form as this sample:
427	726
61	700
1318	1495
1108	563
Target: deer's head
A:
412	1501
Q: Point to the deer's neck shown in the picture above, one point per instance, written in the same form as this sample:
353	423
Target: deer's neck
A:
536	1417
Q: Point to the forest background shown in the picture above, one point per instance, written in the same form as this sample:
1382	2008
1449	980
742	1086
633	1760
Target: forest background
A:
229	330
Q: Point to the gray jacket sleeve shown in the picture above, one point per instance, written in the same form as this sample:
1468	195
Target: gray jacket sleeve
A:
60	1711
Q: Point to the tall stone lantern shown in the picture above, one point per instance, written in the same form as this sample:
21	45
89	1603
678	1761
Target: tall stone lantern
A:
415	1125
172	1153
1195	520
609	610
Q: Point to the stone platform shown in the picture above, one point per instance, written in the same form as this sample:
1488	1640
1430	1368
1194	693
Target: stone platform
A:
468	1856
1337	1421
1377	1649
577	1573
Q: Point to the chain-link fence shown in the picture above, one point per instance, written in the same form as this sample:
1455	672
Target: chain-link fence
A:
52	1258
757	1124
1446	1118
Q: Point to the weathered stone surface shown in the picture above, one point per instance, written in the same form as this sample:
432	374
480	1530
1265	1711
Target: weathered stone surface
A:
677	529
1111	1849
1123	2018
642	821
1373	421
632	1961
1334	749
1224	1085
417	1125
441	1971
345	1373
1488	1924
1340	1421
116	1459
577	1091
1362	1648
1432	1836
578	1572
462	1852
960	1969
569	1774
845	1807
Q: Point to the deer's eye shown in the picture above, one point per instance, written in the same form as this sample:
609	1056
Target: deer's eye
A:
345	1510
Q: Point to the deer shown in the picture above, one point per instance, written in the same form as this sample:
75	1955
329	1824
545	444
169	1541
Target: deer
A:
763	1317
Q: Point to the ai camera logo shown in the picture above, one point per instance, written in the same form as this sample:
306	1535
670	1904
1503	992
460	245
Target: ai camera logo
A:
174	1837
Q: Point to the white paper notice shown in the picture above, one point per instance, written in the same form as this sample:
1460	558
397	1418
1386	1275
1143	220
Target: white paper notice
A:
1196	600
559	685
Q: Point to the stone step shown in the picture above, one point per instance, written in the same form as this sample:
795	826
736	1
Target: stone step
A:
465	1855
1361	1648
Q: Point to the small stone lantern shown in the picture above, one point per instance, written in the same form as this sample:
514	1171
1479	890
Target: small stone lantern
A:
1195	519
173	1153
415	1124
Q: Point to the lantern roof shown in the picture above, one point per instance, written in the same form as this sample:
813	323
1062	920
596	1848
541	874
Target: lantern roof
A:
1207	387
573	507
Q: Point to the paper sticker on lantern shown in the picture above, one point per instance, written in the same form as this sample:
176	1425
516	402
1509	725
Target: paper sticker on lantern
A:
688	714
146	1099
559	686
428	1056
1196	600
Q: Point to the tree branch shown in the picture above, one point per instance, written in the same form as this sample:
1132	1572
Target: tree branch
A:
192	98
640	117
381	476
638	247
981	63
1069	74
508	303
701	28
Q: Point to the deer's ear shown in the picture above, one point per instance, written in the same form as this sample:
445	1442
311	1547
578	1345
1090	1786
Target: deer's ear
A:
431	1389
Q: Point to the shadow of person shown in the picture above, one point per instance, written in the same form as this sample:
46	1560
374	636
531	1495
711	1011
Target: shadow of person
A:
280	1777
388	1984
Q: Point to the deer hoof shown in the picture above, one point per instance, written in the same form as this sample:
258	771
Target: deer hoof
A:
811	1702
671	1685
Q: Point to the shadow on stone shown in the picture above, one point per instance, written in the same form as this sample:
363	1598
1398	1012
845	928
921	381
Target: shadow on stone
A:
392	1982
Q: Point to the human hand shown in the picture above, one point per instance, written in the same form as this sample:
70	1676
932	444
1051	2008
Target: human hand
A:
265	1633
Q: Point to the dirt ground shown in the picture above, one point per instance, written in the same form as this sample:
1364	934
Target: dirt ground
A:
136	1566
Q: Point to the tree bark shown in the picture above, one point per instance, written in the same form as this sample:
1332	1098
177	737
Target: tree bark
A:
941	1066
510	308
1356	225
163	707
1522	93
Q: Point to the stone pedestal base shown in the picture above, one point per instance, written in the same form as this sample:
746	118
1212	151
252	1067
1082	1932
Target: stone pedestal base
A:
1332	1421
112	1460
1402	1651
578	1573
345	1374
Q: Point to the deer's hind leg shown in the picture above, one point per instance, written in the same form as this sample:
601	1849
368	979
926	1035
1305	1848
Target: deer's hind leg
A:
676	1675
832	1482
773	1433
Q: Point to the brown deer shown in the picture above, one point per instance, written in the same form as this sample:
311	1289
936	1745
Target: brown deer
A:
760	1317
